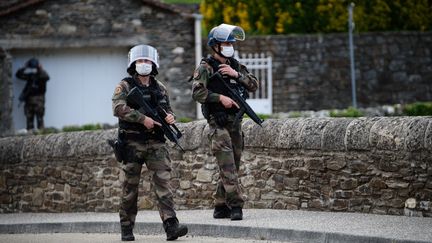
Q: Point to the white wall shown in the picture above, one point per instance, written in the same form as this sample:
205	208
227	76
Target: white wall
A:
81	84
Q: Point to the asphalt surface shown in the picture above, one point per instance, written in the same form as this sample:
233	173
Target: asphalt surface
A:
258	225
111	238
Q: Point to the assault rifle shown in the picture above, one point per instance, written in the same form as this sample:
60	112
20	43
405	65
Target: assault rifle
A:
158	114
244	107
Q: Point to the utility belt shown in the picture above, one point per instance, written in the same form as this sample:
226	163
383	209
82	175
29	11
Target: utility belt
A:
141	136
220	114
123	154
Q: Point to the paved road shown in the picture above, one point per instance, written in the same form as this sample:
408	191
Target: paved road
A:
258	224
110	238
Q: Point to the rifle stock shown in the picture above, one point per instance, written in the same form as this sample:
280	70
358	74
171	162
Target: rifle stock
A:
170	130
244	106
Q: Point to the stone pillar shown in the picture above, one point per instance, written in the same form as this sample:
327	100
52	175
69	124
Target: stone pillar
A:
6	93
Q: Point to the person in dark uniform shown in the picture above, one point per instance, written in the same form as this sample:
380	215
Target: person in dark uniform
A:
33	94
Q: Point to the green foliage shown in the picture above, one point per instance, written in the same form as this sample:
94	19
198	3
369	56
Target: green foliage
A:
418	109
184	119
295	114
47	130
85	127
182	1
261	116
311	16
350	112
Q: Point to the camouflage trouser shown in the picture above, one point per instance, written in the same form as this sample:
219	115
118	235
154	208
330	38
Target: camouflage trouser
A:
156	158
227	146
34	105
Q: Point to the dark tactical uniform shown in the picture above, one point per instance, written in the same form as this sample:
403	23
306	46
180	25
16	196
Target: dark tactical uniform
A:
143	146
33	94
226	138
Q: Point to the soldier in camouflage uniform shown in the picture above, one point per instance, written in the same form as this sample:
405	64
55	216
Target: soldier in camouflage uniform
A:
226	137
144	142
33	93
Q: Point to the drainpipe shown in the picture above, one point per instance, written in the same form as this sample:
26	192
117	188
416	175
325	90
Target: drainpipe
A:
351	50
198	52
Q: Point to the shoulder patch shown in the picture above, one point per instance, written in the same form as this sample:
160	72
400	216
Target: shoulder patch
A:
118	89
196	74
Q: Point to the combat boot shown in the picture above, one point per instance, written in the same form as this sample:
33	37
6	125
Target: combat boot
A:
221	212
236	213
173	230
127	234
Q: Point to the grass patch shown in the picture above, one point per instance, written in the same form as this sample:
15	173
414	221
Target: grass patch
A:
86	127
350	112
418	109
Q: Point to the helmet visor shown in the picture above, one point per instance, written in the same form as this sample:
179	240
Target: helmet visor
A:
145	52
227	32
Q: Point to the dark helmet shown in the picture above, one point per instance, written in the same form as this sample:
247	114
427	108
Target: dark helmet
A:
33	63
225	33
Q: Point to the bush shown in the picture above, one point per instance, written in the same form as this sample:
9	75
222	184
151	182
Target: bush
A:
350	112
184	119
47	130
85	127
261	116
418	109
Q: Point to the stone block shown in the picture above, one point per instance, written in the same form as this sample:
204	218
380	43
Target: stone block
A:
358	132
339	204
387	134
428	137
397	184
247	181
336	163
290	134
334	134
204	175
415	133
300	173
312	133
348	183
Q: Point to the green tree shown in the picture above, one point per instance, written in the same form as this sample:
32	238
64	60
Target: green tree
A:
310	16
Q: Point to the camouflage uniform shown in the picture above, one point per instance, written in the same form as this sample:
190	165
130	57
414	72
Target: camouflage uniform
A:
34	97
226	141
151	151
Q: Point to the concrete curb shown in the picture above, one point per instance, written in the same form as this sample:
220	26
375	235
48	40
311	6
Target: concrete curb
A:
209	230
258	224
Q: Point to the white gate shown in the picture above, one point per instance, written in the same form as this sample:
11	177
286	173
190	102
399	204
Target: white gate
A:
261	67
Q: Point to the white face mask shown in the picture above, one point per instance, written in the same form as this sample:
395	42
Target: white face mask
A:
227	51
143	68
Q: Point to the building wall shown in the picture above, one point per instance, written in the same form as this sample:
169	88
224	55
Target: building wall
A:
64	29
368	165
312	72
5	93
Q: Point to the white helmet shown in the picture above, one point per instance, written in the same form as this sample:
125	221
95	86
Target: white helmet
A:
143	52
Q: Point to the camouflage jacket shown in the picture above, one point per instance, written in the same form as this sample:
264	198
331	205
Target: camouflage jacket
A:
123	111
201	78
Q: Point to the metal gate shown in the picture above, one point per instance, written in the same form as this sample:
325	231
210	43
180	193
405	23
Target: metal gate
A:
260	66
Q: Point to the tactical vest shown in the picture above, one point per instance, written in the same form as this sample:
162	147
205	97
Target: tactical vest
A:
216	87
153	96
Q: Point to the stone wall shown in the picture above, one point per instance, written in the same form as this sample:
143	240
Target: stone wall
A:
312	72
5	93
369	165
111	23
